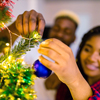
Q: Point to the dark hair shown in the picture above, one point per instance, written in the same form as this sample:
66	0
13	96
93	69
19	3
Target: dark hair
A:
94	31
46	32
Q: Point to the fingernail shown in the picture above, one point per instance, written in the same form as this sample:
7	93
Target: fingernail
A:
44	42
39	58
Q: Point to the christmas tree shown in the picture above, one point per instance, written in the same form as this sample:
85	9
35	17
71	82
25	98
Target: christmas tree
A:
16	77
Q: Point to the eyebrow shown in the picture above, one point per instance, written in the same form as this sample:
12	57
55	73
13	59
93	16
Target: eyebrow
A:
89	45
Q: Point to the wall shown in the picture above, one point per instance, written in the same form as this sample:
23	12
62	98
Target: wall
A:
87	10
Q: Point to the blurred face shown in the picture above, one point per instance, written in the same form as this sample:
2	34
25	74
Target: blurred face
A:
64	30
90	57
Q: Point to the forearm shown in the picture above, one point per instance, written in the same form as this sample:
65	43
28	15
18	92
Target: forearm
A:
80	89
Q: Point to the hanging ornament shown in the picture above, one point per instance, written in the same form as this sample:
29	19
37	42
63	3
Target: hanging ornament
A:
40	70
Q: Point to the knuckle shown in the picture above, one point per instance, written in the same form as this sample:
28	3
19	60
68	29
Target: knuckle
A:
33	11
25	12
19	16
25	15
18	24
19	19
25	22
51	43
41	30
32	20
50	52
69	53
50	65
41	18
54	40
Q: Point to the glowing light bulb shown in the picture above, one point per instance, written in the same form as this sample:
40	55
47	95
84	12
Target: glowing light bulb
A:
7	44
9	57
23	63
35	35
5	66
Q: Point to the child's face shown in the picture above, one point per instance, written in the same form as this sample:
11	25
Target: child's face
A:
90	57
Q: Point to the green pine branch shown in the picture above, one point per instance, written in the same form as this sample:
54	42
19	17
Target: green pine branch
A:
23	46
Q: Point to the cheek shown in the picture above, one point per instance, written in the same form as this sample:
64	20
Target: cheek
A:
52	34
69	38
82	57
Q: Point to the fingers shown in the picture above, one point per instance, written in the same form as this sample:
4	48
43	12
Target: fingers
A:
25	23
41	24
30	21
51	54
57	46
19	23
49	64
55	43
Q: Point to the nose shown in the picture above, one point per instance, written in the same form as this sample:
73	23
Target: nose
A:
60	34
93	57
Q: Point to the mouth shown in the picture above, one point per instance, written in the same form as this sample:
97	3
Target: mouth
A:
92	67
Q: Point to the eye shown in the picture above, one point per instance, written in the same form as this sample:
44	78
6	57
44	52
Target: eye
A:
87	49
55	28
99	53
67	32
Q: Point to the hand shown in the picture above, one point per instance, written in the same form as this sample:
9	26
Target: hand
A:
25	24
52	82
30	21
65	66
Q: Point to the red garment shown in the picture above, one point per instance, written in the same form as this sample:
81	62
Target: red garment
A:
96	91
63	92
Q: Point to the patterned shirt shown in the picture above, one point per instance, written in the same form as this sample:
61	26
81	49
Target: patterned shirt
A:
63	92
96	91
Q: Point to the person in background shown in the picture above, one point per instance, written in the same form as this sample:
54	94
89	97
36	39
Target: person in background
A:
65	24
46	32
81	79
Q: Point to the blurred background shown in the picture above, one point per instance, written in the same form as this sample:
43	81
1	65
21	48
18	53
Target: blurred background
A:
87	10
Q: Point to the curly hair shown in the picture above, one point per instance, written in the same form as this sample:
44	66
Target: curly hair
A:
93	32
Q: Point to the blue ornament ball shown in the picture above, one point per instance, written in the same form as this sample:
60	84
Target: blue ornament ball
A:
40	70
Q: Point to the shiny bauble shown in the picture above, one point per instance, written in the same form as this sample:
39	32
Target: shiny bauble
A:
40	70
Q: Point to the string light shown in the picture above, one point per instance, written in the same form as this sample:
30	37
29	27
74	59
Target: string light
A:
7	44
16	77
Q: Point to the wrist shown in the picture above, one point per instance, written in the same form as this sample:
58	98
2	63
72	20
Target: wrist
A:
80	89
76	81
